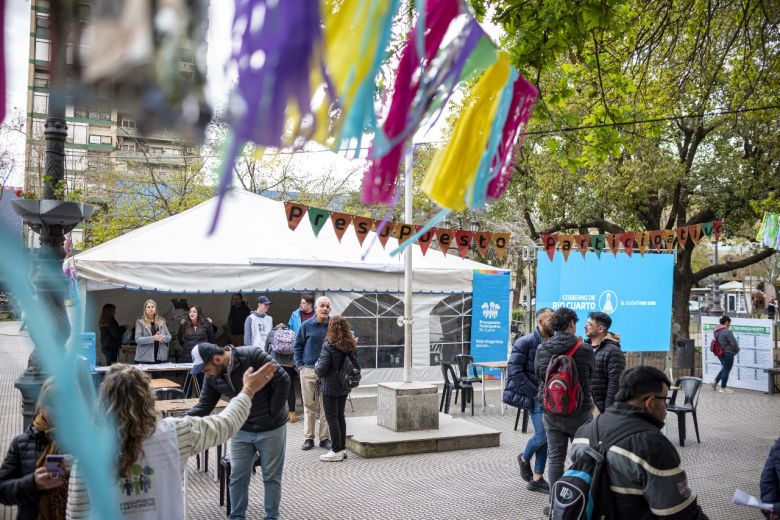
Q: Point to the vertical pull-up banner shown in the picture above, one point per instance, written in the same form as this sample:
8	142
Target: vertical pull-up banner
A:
490	314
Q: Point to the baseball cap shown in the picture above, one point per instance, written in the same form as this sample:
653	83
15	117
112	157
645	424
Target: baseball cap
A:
264	299
202	354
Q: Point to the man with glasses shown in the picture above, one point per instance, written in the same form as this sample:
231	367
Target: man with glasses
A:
645	476
610	361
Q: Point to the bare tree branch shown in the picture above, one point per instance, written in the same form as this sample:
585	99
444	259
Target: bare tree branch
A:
732	265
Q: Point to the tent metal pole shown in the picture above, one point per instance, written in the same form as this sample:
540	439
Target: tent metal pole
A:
408	218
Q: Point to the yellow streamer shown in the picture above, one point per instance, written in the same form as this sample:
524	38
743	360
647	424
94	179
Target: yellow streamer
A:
454	167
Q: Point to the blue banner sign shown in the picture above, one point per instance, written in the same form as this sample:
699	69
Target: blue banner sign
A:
635	291
490	315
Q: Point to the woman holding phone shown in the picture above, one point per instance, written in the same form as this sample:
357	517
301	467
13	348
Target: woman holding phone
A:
151	336
31	476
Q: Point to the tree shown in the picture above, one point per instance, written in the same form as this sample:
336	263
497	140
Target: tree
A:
696	74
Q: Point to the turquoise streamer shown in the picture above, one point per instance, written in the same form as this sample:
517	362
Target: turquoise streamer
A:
412	239
477	193
79	434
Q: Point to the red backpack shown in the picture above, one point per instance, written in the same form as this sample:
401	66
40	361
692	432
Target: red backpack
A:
562	390
715	347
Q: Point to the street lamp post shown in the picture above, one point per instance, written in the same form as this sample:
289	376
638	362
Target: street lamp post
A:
52	218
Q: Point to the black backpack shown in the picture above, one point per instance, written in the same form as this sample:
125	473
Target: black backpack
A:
582	493
349	375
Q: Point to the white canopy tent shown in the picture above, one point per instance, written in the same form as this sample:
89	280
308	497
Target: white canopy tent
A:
254	251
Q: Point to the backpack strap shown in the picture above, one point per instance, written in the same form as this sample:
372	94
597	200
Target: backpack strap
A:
616	436
572	350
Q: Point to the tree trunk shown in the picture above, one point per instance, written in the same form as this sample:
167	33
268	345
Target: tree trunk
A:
681	294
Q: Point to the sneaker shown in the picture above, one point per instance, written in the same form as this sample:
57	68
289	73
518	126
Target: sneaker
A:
293	416
539	486
307	444
332	456
326	444
525	469
714	385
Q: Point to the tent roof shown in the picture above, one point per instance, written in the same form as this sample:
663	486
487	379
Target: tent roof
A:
253	249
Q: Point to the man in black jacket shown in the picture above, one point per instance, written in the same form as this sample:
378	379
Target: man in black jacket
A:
264	431
644	470
561	428
522	388
236	318
610	361
770	482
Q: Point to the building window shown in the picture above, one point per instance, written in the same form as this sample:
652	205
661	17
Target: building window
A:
100	114
126	123
374	320
42	50
40	103
41	80
41	21
77	133
450	328
38	128
130	147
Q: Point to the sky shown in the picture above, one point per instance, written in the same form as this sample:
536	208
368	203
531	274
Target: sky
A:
218	86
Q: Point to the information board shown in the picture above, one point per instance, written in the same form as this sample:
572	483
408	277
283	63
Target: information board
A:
755	339
635	291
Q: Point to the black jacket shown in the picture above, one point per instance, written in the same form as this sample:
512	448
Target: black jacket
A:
111	336
269	406
328	367
583	358
522	383
770	478
644	468
236	318
17	485
190	336
610	363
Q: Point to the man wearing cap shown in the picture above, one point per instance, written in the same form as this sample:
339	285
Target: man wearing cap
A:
265	430
306	352
258	324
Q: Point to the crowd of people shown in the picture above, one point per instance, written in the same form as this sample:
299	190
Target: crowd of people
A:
576	392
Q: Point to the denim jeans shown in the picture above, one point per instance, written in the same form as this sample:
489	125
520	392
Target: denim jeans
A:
727	361
537	445
270	446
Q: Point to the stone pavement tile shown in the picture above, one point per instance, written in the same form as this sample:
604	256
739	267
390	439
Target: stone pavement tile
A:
736	430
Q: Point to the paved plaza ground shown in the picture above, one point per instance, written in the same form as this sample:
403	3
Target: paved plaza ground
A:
737	431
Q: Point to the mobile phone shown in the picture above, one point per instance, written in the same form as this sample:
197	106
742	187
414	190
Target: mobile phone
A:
55	465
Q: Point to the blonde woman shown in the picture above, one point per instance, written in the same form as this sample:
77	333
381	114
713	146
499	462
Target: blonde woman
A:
152	454
151	336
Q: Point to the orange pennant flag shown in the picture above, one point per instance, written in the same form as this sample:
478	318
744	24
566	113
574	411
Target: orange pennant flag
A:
716	227
387	231
627	239
548	242
566	242
482	241
582	242
424	241
463	241
613	242
362	227
295	213
669	238
642	241
657	239
341	222
403	231
695	233
500	243
444	237
682	236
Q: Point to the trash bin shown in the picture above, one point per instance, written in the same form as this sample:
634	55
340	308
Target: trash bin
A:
685	354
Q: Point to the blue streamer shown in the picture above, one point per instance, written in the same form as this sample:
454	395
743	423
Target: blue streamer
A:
78	432
412	239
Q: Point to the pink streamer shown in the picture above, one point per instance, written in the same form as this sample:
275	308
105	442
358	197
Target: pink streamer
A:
2	60
523	99
380	180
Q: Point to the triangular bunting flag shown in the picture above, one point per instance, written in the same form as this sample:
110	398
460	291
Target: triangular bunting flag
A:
548	243
706	229
669	237
294	213
444	237
425	239
403	231
582	242
386	233
567	243
482	241
694	233
341	222
317	218
362	226
463	241
642	241
657	239
627	239
716	226
597	242
682	236
613	242
500	243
